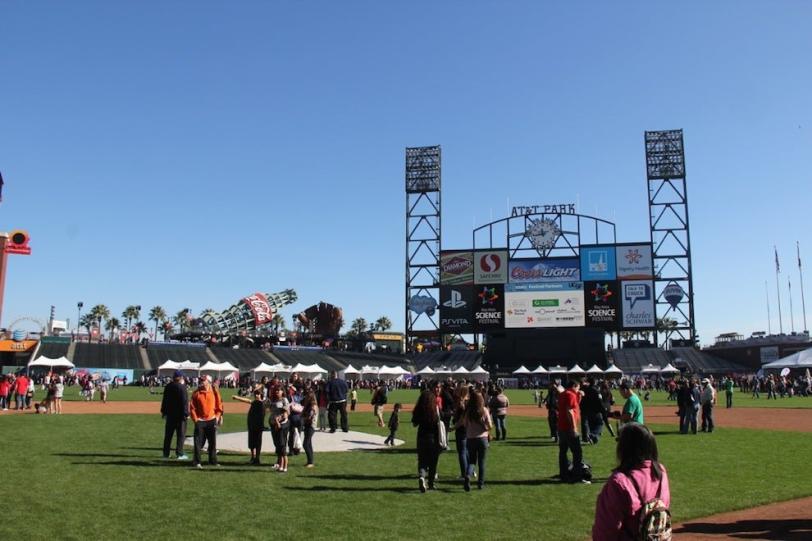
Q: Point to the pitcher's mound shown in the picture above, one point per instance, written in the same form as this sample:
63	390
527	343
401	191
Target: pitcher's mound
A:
323	442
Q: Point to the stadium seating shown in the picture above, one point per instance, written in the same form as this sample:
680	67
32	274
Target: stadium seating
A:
53	351
159	355
107	356
244	359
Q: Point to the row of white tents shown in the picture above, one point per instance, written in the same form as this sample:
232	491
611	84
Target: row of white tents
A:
594	370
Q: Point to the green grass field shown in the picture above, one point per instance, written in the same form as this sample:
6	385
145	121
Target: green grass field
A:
407	396
101	476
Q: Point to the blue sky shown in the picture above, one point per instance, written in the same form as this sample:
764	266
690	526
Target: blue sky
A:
188	154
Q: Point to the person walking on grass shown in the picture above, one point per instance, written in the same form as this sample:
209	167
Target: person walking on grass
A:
206	411
630	495
280	411
477	422
499	404
633	408
175	411
378	401
426	417
393	425
461	394
729	392
569	421
256	422
708	401
310	413
353	399
551	403
337	396
5	392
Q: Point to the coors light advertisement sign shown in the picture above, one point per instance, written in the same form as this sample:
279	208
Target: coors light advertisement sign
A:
602	299
456	268
259	306
489	307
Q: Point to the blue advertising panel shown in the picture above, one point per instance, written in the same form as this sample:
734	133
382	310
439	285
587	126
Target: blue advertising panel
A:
598	262
528	271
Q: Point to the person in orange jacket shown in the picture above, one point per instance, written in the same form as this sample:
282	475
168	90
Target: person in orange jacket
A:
206	411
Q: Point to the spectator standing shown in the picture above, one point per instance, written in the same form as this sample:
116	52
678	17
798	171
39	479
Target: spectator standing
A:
426	417
477	421
551	402
21	389
280	410
708	400
5	391
337	397
633	408
206	412
499	406
638	479
310	412
729	393
175	411
353	399
393	425
569	420
460	400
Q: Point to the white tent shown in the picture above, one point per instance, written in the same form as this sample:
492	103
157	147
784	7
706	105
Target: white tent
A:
594	369
669	369
521	371
557	369
576	370
262	369
282	369
219	369
651	369
442	370
350	371
461	372
369	372
480	374
801	359
61	362
388	371
168	366
540	370
425	371
613	371
403	371
189	366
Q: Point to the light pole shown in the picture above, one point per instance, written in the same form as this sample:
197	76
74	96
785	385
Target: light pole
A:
79	306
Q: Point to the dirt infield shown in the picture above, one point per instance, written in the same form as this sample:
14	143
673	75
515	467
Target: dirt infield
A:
787	521
795	420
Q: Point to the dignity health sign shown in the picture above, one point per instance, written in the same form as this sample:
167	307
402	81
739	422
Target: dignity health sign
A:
528	271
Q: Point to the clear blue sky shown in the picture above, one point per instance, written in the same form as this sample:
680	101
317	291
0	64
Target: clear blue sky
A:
190	153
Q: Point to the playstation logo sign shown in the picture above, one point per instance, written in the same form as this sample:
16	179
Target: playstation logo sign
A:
455	301
491	267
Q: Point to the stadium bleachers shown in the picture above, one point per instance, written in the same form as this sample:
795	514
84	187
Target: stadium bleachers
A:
244	359
159	355
53	351
699	361
106	356
633	360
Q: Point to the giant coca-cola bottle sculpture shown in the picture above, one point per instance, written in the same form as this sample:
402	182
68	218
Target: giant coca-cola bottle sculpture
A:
249	313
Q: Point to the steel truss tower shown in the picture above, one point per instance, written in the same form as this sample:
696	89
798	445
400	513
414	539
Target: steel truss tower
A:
670	236
423	211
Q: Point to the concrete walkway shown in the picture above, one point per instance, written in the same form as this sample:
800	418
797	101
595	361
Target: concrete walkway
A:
323	442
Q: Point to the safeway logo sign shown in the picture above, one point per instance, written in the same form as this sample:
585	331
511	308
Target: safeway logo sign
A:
491	267
455	301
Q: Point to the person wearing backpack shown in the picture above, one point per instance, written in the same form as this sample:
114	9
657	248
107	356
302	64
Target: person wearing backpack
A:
635	501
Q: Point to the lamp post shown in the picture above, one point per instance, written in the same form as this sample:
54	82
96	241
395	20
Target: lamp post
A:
79	306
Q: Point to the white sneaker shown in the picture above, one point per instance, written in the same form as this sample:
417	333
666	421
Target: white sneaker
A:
182	457
276	467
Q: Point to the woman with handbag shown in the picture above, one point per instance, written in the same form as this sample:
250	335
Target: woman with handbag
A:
426	418
280	409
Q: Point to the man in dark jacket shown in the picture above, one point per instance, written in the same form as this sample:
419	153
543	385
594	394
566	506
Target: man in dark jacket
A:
337	397
591	413
175	410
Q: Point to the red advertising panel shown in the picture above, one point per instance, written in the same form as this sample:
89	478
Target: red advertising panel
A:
259	306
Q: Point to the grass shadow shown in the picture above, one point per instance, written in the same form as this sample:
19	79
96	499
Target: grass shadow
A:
778	529
321	488
362	477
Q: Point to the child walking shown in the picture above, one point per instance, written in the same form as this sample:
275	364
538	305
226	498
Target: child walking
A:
394	424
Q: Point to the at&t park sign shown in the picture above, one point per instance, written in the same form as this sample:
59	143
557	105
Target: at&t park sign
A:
563	208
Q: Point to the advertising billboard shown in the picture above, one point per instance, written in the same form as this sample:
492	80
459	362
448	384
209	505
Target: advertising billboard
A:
598	263
561	269
456	268
491	267
602	300
634	262
489	307
548	306
456	309
637	298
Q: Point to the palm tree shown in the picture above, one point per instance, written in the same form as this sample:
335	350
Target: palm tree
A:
278	322
100	312
167	328
111	325
139	327
383	324
181	319
358	327
157	314
87	322
131	313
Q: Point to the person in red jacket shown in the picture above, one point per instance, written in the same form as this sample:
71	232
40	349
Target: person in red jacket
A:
206	411
5	390
21	389
569	421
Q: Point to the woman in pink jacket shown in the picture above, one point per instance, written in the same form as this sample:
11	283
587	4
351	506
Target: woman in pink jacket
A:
638	479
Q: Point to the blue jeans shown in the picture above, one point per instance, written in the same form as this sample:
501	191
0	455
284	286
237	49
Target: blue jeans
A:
691	414
20	401
462	450
594	425
501	431
3	402
477	452
567	441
